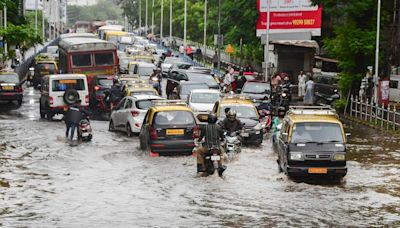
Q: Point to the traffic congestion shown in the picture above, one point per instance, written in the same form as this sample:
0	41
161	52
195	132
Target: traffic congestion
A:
119	129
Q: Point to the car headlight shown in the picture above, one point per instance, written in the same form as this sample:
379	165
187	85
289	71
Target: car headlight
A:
284	94
296	156
339	157
258	127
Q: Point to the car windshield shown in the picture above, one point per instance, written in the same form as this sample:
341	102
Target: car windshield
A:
125	61
205	98
45	68
242	111
258	88
171	118
146	70
144	104
9	78
203	78
317	132
144	60
185	89
170	60
64	84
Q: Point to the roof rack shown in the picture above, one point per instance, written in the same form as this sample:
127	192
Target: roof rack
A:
312	110
155	103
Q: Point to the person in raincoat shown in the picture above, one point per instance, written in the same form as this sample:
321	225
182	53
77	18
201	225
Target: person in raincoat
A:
309	95
277	120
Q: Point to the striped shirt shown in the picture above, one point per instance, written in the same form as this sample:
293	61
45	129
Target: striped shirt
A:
212	133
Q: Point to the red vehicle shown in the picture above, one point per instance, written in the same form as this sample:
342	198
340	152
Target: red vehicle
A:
94	25
89	56
82	26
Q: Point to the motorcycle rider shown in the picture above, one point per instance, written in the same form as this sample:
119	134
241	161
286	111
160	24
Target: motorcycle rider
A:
278	120
212	135
73	116
231	123
155	79
241	80
116	93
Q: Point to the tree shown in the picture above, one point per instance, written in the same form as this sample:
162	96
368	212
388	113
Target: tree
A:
103	10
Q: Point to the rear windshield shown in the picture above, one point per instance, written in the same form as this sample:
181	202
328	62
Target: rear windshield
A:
9	78
144	105
317	132
144	93
171	118
105	82
144	60
242	111
64	84
104	59
205	98
81	60
185	89
45	68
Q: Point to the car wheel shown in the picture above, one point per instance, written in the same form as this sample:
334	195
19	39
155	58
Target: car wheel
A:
49	116
111	126
128	130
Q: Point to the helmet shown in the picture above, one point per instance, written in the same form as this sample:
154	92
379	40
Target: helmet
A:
231	115
281	111
212	118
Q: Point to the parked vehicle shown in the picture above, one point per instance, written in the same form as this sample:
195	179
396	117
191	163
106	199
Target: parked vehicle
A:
311	141
60	91
325	84
10	87
128	115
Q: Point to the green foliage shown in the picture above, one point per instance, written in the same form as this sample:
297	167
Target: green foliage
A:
340	105
30	18
20	35
238	18
103	10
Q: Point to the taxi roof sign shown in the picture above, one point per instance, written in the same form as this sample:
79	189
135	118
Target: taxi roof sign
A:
312	110
157	103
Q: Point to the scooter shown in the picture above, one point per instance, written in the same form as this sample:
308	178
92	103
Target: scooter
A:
233	144
85	130
321	99
212	161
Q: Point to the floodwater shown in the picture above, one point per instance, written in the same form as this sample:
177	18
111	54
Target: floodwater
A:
45	182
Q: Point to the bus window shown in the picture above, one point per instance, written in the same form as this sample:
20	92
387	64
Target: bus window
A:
81	60
104	59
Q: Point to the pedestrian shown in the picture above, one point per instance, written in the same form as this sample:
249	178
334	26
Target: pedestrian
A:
189	52
72	118
199	54
275	81
215	60
181	49
302	84
228	82
309	95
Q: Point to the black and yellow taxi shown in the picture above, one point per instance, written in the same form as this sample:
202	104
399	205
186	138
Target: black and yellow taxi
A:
169	128
10	87
140	88
312	141
246	112
44	65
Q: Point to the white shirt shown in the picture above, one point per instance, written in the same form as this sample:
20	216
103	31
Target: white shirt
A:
228	79
302	79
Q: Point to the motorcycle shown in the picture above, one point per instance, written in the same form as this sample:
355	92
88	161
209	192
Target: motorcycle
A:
85	130
321	99
233	144
265	112
212	161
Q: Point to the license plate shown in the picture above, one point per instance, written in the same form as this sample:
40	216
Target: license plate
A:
215	158
85	134
245	134
318	170
175	132
8	87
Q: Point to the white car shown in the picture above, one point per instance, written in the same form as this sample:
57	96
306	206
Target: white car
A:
202	100
129	114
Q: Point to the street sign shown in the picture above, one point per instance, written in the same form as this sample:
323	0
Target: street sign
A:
229	49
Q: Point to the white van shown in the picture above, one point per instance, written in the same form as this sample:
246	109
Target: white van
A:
61	90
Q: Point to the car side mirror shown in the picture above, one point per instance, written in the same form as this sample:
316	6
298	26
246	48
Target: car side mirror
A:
348	137
285	137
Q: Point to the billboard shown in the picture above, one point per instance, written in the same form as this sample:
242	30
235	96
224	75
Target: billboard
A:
288	16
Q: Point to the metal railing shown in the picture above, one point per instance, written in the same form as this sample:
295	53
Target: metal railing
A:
368	111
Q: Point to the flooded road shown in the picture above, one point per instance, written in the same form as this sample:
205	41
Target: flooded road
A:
44	182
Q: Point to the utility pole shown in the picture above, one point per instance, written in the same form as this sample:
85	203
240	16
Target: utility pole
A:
266	48
5	27
146	17
140	15
162	19
43	26
205	26
219	35
152	19
376	77
170	22
184	27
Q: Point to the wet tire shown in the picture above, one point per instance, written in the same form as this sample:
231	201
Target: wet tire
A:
128	130
70	96
111	126
209	167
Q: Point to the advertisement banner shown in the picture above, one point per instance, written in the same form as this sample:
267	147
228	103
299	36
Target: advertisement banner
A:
287	16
